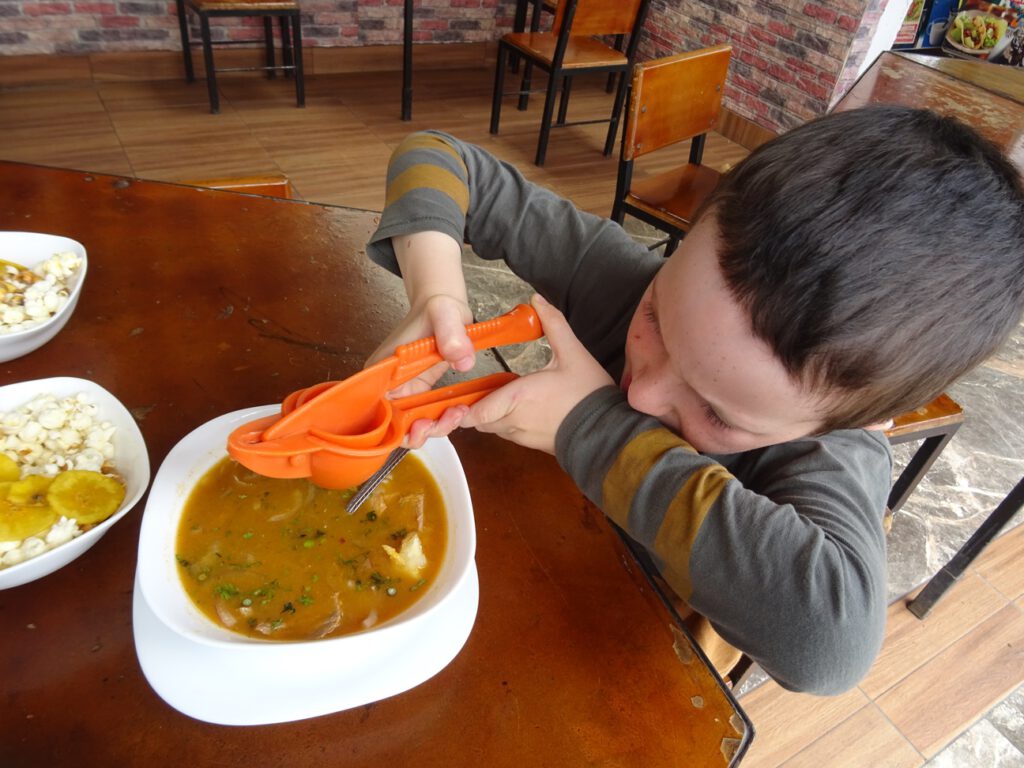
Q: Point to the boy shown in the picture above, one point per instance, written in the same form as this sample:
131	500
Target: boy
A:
725	406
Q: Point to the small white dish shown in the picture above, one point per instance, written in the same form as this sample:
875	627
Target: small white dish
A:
218	676
29	249
130	460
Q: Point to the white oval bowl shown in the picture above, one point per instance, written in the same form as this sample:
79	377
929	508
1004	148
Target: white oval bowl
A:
130	459
159	584
29	249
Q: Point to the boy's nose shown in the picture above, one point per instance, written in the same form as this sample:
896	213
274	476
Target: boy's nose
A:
646	395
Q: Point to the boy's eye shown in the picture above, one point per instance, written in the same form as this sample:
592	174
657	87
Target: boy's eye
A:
648	309
711	415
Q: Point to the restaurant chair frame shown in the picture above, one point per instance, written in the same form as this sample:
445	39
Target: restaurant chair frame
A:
553	52
671	100
934	424
289	18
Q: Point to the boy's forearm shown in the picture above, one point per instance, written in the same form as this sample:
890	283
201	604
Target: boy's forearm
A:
790	571
431	265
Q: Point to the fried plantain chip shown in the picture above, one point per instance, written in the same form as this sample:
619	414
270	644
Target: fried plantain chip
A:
88	497
9	471
29	491
17	523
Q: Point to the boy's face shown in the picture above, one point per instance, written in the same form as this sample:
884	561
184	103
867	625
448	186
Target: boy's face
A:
693	362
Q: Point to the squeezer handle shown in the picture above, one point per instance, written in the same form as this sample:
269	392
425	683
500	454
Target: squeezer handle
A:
518	325
432	403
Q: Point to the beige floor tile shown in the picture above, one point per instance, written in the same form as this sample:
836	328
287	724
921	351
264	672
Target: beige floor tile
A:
945	696
1000	564
864	740
911	642
786	723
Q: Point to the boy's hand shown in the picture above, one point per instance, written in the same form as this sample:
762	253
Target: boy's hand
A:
529	411
442	316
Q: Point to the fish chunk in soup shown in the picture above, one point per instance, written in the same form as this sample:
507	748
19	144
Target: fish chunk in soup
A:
283	560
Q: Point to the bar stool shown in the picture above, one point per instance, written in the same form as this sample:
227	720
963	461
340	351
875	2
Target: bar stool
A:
287	13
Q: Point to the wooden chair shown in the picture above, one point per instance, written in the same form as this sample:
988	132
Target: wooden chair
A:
268	185
673	99
541	7
285	11
934	424
569	50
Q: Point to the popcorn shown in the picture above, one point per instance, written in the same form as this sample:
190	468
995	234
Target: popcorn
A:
45	437
30	297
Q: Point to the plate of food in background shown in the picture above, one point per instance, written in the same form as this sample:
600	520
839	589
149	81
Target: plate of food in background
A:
72	463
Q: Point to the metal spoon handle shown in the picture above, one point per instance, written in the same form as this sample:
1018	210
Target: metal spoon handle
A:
376	479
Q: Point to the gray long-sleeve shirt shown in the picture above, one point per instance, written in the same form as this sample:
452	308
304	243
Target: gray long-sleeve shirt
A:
781	548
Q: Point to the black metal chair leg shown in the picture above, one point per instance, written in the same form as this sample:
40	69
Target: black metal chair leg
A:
186	44
921	605
671	245
545	121
300	82
524	86
563	102
268	47
918	467
211	74
518	25
286	46
613	126
617	45
499	84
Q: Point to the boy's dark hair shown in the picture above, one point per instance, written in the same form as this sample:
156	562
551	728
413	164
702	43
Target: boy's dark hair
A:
880	253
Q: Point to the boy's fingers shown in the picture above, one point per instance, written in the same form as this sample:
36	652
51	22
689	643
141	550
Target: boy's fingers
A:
556	328
488	411
452	340
423	429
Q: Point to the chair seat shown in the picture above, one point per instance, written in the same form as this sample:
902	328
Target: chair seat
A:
941	412
675	195
581	52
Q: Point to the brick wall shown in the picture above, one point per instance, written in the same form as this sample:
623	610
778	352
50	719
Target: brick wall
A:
90	26
787	57
790	57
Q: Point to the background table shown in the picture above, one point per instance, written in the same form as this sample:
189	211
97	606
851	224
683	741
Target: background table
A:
200	302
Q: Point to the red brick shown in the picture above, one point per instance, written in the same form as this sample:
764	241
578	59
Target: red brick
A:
765	37
784	30
46	9
817	12
848	23
815	88
119	21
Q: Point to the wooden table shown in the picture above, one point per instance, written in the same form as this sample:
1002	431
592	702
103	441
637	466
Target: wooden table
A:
200	302
990	98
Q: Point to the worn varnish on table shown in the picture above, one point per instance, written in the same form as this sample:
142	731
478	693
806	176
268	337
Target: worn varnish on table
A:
200	302
988	97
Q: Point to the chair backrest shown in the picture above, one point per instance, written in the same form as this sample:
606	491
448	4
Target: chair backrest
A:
674	99
599	17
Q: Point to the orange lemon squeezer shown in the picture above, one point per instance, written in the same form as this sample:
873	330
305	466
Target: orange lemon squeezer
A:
338	433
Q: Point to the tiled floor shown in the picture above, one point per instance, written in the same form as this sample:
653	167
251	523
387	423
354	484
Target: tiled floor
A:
945	691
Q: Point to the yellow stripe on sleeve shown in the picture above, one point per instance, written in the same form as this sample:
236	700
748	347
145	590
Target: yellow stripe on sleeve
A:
424	141
686	512
632	464
429	177
683	520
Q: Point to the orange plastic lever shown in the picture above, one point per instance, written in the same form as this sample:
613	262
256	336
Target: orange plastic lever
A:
340	433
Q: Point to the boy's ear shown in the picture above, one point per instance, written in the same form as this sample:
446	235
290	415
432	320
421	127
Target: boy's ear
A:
880	425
